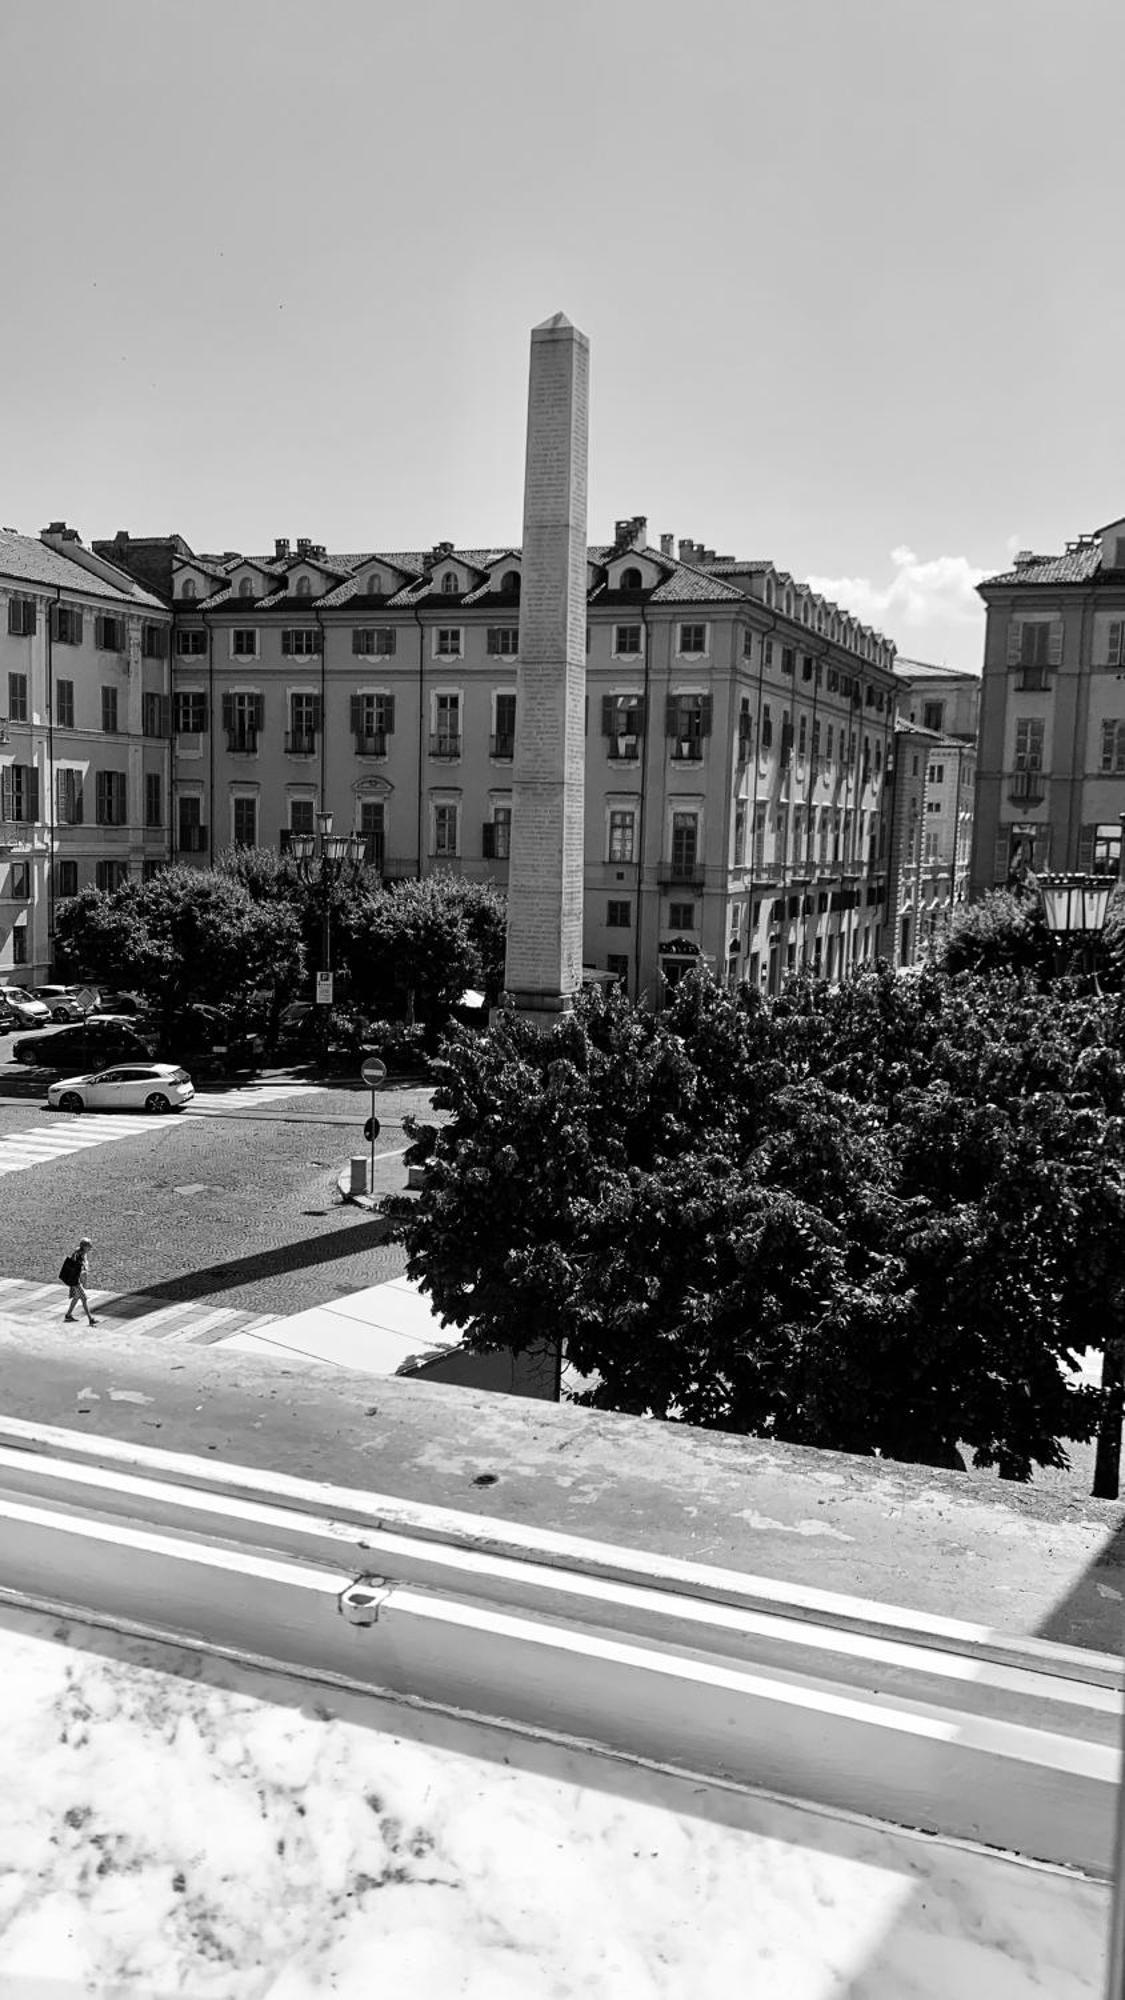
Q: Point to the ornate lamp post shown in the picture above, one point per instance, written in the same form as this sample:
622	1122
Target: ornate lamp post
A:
1074	910
323	860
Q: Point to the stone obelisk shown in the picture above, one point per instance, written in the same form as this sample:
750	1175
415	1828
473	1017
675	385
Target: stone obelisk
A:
544	962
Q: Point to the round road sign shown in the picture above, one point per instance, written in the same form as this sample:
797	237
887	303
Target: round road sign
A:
374	1071
371	1128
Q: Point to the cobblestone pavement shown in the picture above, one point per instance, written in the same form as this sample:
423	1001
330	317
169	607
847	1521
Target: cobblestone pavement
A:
235	1210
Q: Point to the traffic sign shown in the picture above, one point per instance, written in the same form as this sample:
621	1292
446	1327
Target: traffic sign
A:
371	1128
86	998
324	989
374	1071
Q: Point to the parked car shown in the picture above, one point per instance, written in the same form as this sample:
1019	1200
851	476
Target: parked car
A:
121	1003
205	1038
21	1008
60	1001
153	1086
98	1041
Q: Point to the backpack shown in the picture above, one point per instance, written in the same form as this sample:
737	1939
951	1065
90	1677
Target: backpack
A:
71	1269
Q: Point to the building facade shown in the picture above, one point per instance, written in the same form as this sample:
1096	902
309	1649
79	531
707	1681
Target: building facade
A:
85	735
737	735
927	834
1051	776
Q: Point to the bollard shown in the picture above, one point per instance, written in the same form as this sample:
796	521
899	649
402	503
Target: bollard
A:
359	1183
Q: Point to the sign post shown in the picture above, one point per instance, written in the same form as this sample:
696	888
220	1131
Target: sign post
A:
373	1074
324	989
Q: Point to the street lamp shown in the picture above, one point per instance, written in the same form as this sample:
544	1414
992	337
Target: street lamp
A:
323	860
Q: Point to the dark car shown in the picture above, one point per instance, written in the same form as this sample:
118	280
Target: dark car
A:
88	1045
206	1042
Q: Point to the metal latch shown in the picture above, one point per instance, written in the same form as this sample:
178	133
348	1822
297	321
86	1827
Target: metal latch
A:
362	1601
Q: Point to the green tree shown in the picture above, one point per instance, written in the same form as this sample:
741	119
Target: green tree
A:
413	948
1003	932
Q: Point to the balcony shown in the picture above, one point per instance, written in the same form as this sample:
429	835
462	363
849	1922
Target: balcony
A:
680	873
373	851
623	749
191	840
300	743
371	743
502	747
1034	680
242	742
447	747
1027	786
687	750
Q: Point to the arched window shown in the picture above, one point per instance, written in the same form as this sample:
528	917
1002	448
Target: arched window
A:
631	579
245	587
375	585
510	581
304	587
187	587
449	583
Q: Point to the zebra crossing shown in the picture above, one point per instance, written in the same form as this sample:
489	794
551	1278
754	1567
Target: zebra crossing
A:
27	1306
38	1145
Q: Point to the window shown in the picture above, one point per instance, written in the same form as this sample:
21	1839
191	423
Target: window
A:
109	710
448	646
372	825
109	876
631	579
446	738
1113	746
154	642
21	617
66	878
693	638
936	774
154	714
66	624
19	793
933	805
19	944
617	962
187	589
767	727
1029	743
1106	844
191	645
622	834
374	642
190	709
109	634
445	830
191	837
745	727
19	881
111	799
807	664
504	641
373	720
68	797
618	914
64	704
154	799
244	820
302	815
510	582
300	642
687	722
623	723
802	735
740	833
1035	642
304	723
747	644
17	697
496	835
245	586
788	659
504	736
242	720
685	841
626	641
304	586
681	916
244	643
933	715
450	583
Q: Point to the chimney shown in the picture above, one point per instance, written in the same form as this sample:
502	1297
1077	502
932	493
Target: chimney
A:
705	555
59	532
638	529
281	548
304	546
1024	557
687	549
667	545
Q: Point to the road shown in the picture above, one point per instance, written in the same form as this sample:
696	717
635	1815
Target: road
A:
232	1204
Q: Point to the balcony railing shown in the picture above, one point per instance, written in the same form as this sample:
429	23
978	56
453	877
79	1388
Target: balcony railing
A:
502	747
243	742
687	750
445	746
300	743
680	871
371	743
1026	785
624	749
374	845
191	839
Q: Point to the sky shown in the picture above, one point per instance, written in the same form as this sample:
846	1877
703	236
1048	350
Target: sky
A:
849	269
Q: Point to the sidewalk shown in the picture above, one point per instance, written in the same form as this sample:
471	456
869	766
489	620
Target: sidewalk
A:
378	1330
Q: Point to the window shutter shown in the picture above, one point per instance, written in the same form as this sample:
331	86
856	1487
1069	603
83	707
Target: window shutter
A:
165	715
63	793
259	710
1055	643
1015	634
76	805
228	711
6	793
357	713
388	715
705	716
671	716
76	617
32	793
488	840
315	706
1113	651
29	613
286	643
609	712
1086	835
318	640
357	639
55	619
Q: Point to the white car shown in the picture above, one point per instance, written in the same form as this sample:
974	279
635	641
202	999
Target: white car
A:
60	1001
136	1086
29	1012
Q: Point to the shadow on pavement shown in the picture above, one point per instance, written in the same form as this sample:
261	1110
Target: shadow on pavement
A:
214	1278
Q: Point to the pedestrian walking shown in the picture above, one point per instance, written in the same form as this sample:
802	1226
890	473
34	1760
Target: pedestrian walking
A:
75	1274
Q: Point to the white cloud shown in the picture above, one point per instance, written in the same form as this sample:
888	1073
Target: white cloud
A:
919	595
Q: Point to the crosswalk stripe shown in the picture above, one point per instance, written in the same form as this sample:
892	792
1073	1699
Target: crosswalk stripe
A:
32	1305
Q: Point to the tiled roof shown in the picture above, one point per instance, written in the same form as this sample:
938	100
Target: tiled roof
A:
687	585
28	560
920	670
1076	566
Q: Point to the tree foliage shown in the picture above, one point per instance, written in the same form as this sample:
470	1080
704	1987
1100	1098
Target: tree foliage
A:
874	1219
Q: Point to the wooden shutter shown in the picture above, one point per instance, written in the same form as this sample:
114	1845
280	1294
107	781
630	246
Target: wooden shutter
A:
228	711
76	624
488	840
672	716
1055	643
1086	837
77	795
388	715
6	792
358	639
357	714
705	716
609	714
55	619
259	710
1114	649
1015	641
315	708
286	644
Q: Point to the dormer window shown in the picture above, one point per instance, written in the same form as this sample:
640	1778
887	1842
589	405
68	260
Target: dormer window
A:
187	588
245	587
510	581
449	583
631	579
304	587
375	585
